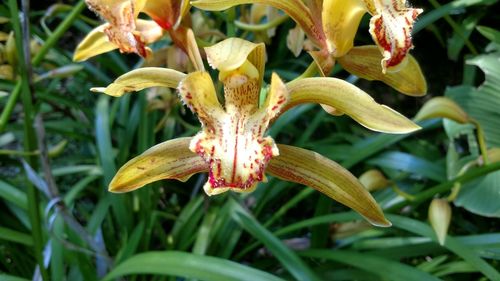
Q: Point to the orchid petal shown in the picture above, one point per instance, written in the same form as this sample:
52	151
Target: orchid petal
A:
390	26
167	13
340	22
198	93
276	99
142	78
121	15
149	31
168	160
297	10
95	43
351	100
233	53
364	61
311	169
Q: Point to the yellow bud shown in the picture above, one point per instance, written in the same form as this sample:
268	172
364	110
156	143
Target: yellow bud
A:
440	218
57	149
374	180
442	107
10	50
6	72
35	47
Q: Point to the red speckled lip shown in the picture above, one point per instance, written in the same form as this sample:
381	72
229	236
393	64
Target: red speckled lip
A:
220	182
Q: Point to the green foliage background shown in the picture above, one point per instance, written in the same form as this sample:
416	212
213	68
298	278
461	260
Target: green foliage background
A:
282	230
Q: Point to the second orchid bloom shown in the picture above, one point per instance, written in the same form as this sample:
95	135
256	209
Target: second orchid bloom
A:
232	145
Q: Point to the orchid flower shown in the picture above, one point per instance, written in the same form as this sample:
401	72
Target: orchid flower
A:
331	25
123	29
232	145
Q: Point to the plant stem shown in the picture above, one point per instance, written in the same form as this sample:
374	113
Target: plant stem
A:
443	187
29	134
9	107
481	141
58	33
263	26
49	43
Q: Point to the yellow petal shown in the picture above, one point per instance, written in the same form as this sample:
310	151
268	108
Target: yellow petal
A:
168	160
311	169
149	31
142	78
340	22
440	218
442	107
364	61
167	13
198	93
121	16
231	53
276	99
296	9
390	26
95	43
351	100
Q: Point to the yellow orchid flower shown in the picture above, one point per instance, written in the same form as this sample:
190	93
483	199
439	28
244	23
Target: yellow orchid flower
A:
331	26
123	29
232	145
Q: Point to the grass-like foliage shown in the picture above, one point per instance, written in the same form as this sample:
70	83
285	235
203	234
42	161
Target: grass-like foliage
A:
63	146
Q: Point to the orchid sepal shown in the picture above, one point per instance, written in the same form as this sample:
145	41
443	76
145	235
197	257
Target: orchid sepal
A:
349	99
364	62
142	78
311	169
168	160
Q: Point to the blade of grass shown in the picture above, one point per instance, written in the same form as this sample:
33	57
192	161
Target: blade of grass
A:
22	37
297	268
385	268
189	266
15	236
451	244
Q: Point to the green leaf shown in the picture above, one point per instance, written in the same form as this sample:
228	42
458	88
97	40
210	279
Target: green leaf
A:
451	244
187	265
434	15
13	195
490	33
411	164
481	196
15	236
287	257
5	277
385	268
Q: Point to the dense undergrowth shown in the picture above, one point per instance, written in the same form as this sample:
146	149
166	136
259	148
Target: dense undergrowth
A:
60	146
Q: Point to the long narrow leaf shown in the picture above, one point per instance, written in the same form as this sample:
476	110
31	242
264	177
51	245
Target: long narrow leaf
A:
189	266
